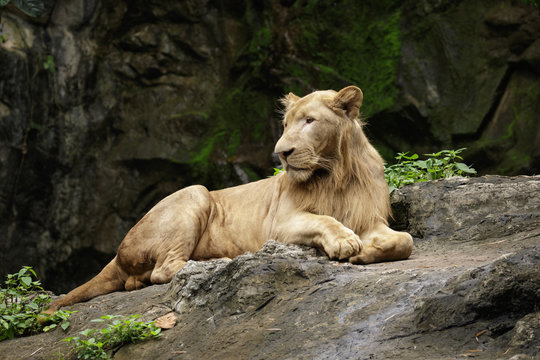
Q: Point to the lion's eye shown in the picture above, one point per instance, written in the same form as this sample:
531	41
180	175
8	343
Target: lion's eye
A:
309	120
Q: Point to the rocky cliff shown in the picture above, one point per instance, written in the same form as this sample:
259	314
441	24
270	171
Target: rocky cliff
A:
470	289
107	107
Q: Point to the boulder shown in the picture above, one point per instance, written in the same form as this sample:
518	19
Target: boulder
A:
470	289
108	107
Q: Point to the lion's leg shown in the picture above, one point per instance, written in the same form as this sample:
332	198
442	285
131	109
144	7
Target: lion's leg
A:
153	250
108	280
383	244
164	273
323	232
180	235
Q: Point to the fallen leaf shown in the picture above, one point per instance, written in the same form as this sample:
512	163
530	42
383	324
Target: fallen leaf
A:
470	353
166	321
480	333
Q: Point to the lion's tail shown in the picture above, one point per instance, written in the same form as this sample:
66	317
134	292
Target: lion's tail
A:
107	281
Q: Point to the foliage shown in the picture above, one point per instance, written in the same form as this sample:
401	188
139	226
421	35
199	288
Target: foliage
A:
49	64
409	169
121	330
239	115
333	48
34	8
21	301
534	3
277	171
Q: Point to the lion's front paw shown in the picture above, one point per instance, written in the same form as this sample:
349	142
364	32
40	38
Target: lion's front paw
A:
343	246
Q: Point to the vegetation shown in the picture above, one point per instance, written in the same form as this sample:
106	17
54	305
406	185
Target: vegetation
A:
21	301
119	331
34	8
49	64
409	169
534	3
333	48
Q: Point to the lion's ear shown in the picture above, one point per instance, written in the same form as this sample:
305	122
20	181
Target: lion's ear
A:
349	100
289	99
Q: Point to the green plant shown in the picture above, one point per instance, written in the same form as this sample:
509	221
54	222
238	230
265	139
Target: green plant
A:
277	171
21	301
120	330
409	169
34	8
534	3
49	64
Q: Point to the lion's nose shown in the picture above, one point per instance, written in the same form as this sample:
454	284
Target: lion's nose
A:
285	154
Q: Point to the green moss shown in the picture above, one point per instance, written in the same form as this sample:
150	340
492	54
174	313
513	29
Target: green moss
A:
206	149
310	45
202	114
348	42
240	116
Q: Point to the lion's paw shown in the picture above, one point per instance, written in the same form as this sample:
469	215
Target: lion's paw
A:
343	246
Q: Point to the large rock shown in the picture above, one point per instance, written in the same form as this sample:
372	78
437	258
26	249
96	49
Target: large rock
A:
468	208
107	107
465	291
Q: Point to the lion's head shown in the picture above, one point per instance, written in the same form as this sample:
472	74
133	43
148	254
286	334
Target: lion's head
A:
328	159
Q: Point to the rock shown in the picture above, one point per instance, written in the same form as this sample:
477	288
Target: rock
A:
458	208
108	107
502	292
469	290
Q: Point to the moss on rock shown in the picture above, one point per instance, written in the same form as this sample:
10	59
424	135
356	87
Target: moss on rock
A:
347	42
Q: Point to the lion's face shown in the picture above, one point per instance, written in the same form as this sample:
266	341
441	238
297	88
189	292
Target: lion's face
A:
312	129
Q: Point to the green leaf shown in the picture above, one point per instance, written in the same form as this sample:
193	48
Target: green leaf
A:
34	8
49	327
422	164
85	332
4	2
33	305
465	168
26	280
65	325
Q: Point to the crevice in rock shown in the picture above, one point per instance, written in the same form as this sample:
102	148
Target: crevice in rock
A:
488	117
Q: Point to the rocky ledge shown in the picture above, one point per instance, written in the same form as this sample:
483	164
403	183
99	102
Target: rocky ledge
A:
471	289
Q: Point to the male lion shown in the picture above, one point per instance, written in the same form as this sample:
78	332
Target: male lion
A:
332	195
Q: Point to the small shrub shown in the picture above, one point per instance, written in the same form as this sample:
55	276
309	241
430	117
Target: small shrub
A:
121	330
409	169
22	299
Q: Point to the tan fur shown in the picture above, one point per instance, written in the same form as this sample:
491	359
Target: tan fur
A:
332	196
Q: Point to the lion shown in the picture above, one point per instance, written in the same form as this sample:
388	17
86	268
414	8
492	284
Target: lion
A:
332	195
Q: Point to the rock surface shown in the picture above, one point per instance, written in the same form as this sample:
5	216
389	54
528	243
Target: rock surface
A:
470	289
107	107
